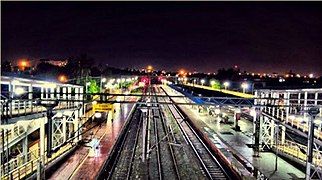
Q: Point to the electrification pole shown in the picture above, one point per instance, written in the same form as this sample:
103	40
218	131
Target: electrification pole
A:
312	112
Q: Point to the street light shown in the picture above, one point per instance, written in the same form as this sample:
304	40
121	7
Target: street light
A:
202	81
150	68
212	82
103	80
244	86
226	84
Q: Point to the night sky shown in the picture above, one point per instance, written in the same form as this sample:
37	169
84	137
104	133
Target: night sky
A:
260	37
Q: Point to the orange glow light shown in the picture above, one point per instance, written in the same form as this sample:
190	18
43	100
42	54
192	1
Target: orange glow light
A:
62	78
23	63
182	72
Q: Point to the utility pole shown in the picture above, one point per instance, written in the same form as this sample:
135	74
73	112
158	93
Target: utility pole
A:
49	105
313	111
257	115
276	143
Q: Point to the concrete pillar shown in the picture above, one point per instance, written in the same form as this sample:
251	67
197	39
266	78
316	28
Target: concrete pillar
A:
52	93
237	114
42	93
25	148
257	128
81	97
255	94
42	139
64	128
47	93
283	129
58	92
64	95
76	126
69	94
77	96
305	108
64	92
30	93
287	103
298	100
11	95
278	112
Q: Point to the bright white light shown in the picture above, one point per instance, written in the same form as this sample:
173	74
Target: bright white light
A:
94	102
19	91
123	79
88	83
311	75
202	81
226	84
128	79
118	80
98	115
217	111
112	80
212	83
103	79
244	85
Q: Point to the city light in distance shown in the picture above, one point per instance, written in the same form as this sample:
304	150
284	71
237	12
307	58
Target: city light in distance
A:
23	64
202	81
62	78
226	84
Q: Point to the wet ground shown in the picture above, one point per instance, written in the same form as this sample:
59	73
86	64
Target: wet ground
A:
83	164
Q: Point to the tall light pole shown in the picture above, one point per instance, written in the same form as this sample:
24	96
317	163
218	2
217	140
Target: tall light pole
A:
244	86
226	84
103	80
202	81
312	112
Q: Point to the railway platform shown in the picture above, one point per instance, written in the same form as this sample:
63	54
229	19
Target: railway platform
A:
234	145
86	164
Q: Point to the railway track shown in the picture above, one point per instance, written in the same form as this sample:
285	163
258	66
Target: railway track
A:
166	159
152	146
210	165
119	165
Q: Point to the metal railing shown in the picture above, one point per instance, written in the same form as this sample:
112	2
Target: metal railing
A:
23	166
294	149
